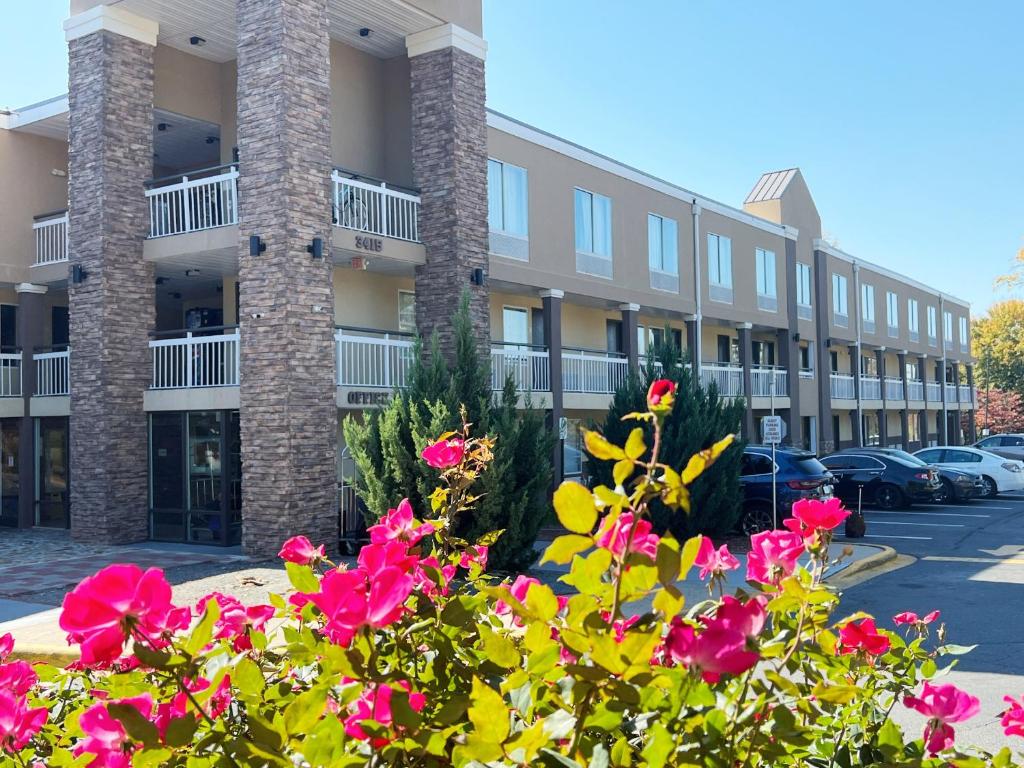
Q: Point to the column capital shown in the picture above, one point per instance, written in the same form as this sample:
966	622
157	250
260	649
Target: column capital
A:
30	288
629	307
551	293
744	326
446	36
111	18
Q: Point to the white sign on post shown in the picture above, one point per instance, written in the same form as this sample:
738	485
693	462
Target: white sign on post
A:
771	429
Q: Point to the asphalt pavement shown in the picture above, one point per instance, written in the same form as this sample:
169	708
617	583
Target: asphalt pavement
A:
969	563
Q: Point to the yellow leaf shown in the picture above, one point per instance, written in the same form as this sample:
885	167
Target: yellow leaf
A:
600	448
635	445
718	448
562	549
621	471
606	497
488	713
575	507
694	467
690	550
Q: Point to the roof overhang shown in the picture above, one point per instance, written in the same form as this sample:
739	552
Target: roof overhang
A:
45	118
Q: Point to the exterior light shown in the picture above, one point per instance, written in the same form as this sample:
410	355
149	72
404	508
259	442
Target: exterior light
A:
316	248
197	41
256	245
364	32
78	274
191	272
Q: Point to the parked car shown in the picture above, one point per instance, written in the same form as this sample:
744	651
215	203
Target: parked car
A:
998	473
957	484
877	478
1007	446
798	475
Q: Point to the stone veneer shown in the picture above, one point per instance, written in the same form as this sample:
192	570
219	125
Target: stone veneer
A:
112	310
287	395
449	155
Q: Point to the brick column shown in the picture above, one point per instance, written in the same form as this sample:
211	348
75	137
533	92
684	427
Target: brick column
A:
746	360
901	358
31	318
883	415
110	155
449	158
855	421
630	323
552	309
287	395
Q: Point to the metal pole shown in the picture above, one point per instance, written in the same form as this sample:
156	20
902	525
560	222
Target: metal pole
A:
775	514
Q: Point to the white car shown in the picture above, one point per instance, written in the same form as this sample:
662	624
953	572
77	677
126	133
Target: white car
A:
999	473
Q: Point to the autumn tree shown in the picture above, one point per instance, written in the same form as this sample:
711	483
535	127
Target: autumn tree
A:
998	343
999	411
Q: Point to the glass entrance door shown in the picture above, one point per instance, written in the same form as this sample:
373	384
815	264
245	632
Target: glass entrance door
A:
10	481
52	491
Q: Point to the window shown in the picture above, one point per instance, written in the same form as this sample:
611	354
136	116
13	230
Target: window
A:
933	332
572	449
803	290
990	442
947	330
506	198
407	312
728	350
8	327
806	361
720	267
892	314
913	429
867	307
840	298
961	457
913	320
515	326
762	353
963	334
868	365
931	456
755	464
871	433
764	262
593	233
662	244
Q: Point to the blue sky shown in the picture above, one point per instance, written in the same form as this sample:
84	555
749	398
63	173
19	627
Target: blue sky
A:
905	118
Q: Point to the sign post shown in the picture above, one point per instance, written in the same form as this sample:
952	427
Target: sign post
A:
771	429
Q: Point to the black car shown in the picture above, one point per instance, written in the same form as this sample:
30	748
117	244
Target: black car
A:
957	484
799	475
878	478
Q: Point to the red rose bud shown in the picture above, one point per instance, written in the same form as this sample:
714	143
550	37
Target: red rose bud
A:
661	393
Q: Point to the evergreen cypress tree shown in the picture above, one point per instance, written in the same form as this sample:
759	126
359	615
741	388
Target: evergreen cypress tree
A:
386	445
699	417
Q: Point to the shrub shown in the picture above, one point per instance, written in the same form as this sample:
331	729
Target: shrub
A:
417	658
697	419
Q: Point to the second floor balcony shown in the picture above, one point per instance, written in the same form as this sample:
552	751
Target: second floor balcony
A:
53	374
915	389
893	388
51	236
870	387
204	199
207	357
10	374
842	386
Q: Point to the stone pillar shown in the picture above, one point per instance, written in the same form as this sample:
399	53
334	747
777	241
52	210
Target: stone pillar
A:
552	309
288	412
31	321
789	361
901	358
822	292
449	159
883	415
746	360
630	323
858	438
110	156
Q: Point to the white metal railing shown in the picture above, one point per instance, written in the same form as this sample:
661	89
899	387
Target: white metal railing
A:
51	233
870	387
893	388
528	366
950	393
841	385
195	361
375	208
728	379
592	372
367	358
934	390
193	204
763	380
965	394
915	389
10	374
52	373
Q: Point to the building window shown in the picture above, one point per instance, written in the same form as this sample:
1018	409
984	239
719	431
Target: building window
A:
947	330
871	434
964	331
593	217
767	297
840	297
803	291
933	333
913	320
573	456
806	361
867	308
515	326
507	209
720	267
728	350
663	252
407	312
892	314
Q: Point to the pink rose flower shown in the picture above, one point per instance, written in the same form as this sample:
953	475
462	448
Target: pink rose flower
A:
373	558
909	617
105	609
942	705
614	535
426	583
300	550
374	704
400	524
105	737
6	646
518	589
18	677
18	723
811	516
661	392
714	562
723	645
861	636
475	554
773	556
167	712
445	453
236	620
1013	718
352	599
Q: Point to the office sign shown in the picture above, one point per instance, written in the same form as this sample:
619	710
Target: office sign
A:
771	429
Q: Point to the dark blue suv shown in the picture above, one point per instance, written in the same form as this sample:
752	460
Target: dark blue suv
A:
799	475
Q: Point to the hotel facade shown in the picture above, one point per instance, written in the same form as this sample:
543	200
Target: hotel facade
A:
224	238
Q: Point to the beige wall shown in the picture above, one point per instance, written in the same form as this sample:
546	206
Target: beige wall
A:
188	85
367	299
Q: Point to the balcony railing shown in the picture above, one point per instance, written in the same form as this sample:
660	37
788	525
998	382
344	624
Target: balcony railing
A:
200	200
768	381
197	358
51	232
934	391
371	206
950	393
966	394
52	373
728	379
870	388
915	389
893	388
376	359
526	364
592	371
842	386
10	374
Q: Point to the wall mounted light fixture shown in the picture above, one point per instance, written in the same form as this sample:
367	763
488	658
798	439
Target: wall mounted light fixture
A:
78	274
316	248
256	245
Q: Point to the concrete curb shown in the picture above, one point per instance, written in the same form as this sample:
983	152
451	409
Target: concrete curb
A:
880	559
54	655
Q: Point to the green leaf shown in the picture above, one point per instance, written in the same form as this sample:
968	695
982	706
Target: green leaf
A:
600	448
562	549
302	577
498	649
890	735
541	600
138	728
304	711
575	507
181	730
635	445
659	745
247	677
836	694
203	632
668	560
488	714
951	649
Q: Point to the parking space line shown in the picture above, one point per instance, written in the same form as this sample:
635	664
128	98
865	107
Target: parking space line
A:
915	514
970	506
890	536
993	560
926	525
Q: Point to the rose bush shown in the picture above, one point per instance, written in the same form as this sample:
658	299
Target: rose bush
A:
416	656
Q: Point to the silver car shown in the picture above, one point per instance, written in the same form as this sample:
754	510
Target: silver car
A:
1010	446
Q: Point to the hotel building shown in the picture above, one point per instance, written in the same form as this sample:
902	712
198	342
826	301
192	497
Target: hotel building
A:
223	239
